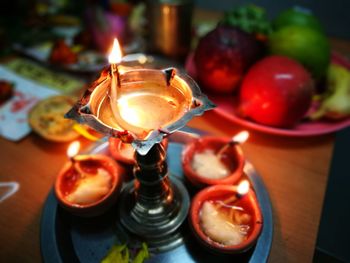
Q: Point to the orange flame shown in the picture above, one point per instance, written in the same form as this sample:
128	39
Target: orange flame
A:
115	56
241	137
73	149
243	187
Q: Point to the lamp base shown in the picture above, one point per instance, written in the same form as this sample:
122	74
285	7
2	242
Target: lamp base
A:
158	225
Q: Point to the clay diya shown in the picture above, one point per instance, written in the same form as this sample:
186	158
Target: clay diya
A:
211	160
89	184
124	152
226	218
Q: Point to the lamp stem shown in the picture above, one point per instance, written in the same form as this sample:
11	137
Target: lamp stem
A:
154	206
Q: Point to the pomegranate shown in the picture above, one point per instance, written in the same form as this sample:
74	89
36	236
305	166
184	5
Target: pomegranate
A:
222	57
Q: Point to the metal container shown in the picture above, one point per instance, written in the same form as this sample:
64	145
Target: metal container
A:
147	104
151	104
169	27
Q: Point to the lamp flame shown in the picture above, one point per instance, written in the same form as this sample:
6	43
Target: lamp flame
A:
243	187
115	56
73	149
240	137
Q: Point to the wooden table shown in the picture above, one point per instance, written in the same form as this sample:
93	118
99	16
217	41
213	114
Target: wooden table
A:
295	171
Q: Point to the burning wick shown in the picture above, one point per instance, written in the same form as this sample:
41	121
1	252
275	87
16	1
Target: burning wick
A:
118	104
241	190
72	152
237	139
114	58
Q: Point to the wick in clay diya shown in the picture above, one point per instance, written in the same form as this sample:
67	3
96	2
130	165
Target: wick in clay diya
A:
87	181
226	218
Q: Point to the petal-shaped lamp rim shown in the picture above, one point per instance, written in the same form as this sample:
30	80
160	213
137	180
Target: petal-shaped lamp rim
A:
200	100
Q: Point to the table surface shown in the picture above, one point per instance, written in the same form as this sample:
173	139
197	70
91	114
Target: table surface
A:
294	170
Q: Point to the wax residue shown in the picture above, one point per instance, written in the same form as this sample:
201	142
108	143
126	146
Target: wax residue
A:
208	165
91	188
219	227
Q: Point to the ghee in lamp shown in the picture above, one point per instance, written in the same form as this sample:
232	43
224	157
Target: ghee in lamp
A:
148	110
86	179
212	160
216	164
207	164
140	106
226	218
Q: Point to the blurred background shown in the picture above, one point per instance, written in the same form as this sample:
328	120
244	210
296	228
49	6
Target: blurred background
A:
334	15
35	29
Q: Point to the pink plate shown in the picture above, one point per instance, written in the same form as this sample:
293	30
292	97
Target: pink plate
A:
226	107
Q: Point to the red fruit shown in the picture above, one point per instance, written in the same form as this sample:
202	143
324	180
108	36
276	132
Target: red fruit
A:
276	91
222	57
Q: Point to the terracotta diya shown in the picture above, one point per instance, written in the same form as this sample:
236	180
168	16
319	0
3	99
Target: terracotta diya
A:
212	160
124	152
89	184
226	218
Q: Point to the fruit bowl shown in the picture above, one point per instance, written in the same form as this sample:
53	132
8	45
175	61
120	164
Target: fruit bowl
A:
232	160
227	107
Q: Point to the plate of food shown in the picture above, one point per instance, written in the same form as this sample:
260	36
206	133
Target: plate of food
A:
65	236
46	119
60	54
74	58
71	49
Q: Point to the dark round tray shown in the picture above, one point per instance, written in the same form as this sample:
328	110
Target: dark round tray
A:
67	238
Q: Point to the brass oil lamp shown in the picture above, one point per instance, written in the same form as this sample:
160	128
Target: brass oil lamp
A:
141	107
